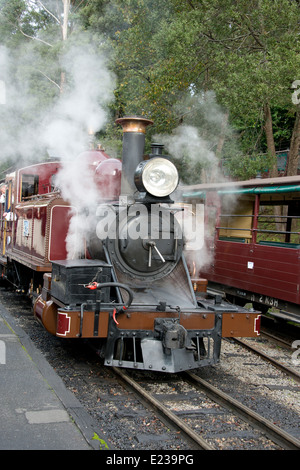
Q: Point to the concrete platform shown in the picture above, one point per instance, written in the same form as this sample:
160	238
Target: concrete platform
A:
37	412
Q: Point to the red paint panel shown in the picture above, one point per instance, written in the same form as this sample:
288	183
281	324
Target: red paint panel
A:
63	324
268	270
59	226
39	231
44	171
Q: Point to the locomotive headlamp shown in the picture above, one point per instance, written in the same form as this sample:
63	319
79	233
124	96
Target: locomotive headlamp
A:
157	176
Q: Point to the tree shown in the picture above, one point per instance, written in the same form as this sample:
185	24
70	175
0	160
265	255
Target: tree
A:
168	56
57	82
11	15
246	51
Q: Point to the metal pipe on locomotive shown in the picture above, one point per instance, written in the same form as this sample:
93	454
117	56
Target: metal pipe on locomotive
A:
131	292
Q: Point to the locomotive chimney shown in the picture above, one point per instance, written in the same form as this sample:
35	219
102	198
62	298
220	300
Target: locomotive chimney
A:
134	129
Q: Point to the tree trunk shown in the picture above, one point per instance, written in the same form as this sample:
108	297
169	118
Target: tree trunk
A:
222	136
292	167
66	4
270	139
64	28
215	172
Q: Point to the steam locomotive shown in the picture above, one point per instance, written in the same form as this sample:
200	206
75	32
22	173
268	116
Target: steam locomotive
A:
129	290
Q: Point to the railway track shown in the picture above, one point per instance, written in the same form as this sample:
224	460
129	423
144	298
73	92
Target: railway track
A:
215	402
283	367
129	424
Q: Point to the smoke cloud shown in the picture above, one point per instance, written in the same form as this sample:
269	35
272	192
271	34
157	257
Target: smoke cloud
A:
197	141
186	141
81	108
61	129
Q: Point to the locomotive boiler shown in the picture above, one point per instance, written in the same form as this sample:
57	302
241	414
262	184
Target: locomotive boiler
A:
130	291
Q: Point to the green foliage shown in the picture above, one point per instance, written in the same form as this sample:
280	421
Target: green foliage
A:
247	52
10	14
102	443
168	56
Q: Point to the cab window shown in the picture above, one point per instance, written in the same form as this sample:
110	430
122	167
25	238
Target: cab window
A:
30	186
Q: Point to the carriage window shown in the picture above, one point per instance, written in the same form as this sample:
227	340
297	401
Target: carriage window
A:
279	224
236	220
30	185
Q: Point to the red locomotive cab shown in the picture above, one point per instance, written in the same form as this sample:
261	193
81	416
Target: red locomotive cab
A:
35	180
5	232
108	178
34	214
7	215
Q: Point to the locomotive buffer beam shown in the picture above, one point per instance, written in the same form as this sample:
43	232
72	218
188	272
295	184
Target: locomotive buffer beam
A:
169	347
98	286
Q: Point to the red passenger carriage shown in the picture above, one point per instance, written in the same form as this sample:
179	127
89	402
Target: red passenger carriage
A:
253	234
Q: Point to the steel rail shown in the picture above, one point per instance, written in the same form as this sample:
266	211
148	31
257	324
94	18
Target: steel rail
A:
164	410
291	372
270	430
273	432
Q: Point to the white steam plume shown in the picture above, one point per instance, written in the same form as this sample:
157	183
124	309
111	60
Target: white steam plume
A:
62	128
186	140
197	140
81	108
